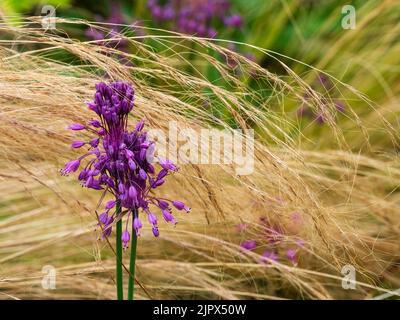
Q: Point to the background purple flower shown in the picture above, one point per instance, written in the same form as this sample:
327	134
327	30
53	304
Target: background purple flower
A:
195	17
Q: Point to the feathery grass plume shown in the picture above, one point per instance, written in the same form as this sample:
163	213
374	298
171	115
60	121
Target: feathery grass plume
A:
345	193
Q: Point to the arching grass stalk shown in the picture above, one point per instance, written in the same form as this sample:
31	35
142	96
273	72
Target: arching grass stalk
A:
132	264
118	265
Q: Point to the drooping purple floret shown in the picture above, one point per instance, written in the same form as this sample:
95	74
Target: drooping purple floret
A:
120	161
291	255
194	17
249	244
268	256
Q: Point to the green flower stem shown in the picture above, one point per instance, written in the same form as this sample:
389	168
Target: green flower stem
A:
120	292
132	264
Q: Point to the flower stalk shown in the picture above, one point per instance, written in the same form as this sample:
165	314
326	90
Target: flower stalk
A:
118	267
132	264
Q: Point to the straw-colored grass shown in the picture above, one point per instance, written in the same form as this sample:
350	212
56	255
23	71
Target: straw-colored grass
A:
346	194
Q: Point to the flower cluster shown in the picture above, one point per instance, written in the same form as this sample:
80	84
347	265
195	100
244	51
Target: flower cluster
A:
195	17
272	240
324	85
116	22
120	161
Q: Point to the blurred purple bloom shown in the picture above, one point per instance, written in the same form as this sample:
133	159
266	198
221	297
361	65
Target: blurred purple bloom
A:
194	17
249	244
241	227
267	256
291	255
340	107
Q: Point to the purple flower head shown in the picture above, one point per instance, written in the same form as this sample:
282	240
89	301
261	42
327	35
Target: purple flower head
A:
249	244
117	161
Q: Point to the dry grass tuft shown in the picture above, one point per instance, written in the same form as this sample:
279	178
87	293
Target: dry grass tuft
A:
346	194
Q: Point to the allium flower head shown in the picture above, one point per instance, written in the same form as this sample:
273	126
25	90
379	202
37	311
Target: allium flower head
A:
118	161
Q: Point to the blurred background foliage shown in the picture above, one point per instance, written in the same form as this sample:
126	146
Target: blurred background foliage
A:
306	31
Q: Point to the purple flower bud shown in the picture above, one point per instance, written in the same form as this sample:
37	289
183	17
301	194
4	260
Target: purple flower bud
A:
77	144
95	123
163	204
137	225
103	218
157	183
110	204
249	244
76	126
156	233
83	174
162	174
94	142
142	174
167	164
180	206
121	188
152	218
93	107
168	217
132	193
110	182
132	164
129	154
70	166
139	126
125	237
108	227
